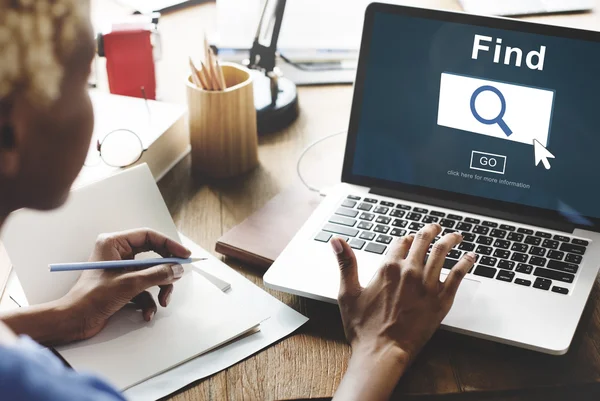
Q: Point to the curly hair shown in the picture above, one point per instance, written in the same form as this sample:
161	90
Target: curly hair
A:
36	39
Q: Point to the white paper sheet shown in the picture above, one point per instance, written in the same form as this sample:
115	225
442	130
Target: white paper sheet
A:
283	321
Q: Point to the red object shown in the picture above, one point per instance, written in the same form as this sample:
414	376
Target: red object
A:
130	63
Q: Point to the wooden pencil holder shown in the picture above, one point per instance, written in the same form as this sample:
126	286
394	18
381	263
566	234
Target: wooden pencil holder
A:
223	130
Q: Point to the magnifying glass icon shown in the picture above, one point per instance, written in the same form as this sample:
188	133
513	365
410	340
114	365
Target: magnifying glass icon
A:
500	118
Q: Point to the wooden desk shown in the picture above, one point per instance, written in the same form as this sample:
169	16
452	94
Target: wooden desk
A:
309	364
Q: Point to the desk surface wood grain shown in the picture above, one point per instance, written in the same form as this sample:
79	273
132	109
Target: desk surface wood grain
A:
309	364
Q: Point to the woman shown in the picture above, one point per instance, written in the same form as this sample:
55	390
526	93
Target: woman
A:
46	121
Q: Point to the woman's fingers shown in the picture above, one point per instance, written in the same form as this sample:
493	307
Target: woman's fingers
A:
437	256
144	240
145	302
399	248
456	275
164	296
421	243
349	284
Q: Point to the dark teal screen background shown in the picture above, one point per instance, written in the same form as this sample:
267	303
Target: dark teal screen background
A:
399	140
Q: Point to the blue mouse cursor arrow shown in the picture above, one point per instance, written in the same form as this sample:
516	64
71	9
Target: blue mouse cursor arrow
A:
542	154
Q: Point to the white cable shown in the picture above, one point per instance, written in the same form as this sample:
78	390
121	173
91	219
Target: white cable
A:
309	147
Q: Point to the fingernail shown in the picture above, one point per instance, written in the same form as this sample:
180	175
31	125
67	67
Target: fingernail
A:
472	255
336	244
177	271
151	316
168	299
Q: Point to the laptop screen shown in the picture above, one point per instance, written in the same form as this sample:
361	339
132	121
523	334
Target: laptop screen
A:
469	109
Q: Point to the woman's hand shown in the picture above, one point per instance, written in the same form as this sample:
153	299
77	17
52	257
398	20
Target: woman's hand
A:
388	322
98	294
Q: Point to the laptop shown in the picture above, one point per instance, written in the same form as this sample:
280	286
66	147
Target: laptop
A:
525	7
489	127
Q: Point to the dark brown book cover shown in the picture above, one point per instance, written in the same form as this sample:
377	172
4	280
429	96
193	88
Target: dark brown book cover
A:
260	238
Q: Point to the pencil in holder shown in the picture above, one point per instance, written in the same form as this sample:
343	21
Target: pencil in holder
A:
223	130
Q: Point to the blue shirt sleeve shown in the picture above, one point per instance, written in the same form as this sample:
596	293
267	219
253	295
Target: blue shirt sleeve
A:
29	372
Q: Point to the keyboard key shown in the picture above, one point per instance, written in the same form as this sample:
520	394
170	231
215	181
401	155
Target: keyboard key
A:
560	290
342	211
364	225
525	231
543	234
420	210
472	220
485	271
437	214
354	197
524	268
506	264
371	200
349	203
519	257
561	238
563	267
498	233
365	206
507	227
519	248
576	249
430	219
381	210
533	240
369	236
482	239
454	217
375	248
484	250
397	213
344	221
551	244
323	237
403	207
554	275
502	254
383	220
573	258
489	224
388	204
398	232
447	223
556	255
335	229
580	242
468	237
502	244
520	281
400	223
542	284
449	263
464	226
487	261
466	246
381	229
343	237
384	239
416	226
367	216
448	231
414	216
357	243
454	254
537	251
481	230
515	237
505	275
537	261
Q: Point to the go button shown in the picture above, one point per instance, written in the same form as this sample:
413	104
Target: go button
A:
489	162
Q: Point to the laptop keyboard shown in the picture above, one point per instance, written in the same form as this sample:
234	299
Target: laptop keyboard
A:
509	253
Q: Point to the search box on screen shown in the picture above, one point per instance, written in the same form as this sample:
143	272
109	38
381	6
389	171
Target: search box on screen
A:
507	111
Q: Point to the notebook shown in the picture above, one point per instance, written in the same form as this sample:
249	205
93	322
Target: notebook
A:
129	350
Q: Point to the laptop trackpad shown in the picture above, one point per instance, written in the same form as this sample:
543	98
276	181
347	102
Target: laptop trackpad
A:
462	309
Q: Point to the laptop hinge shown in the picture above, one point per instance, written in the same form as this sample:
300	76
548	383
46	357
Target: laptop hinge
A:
499	214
